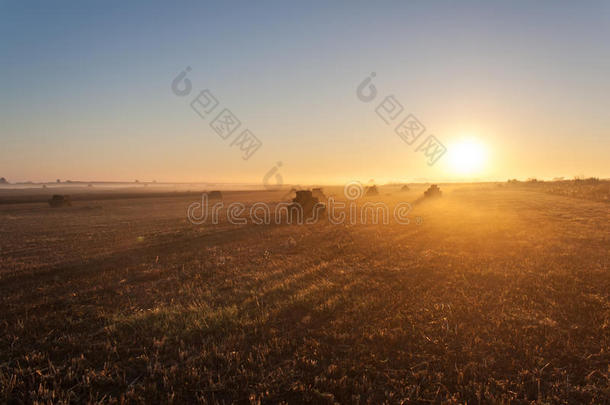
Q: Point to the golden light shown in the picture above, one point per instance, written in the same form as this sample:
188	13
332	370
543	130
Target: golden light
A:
467	156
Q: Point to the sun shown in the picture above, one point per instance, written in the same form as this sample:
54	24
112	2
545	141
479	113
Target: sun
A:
467	156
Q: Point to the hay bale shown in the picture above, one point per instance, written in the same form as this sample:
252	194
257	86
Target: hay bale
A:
60	201
215	195
304	197
371	191
433	192
307	202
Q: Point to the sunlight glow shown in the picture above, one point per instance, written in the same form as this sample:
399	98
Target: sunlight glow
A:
467	156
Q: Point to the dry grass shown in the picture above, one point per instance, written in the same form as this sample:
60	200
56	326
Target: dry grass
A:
500	295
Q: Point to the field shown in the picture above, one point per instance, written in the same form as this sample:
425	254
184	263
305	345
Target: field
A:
489	294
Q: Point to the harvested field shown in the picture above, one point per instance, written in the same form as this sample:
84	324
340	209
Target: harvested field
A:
489	294
588	189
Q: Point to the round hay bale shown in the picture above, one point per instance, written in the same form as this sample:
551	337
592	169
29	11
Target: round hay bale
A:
60	201
307	203
215	195
371	191
433	192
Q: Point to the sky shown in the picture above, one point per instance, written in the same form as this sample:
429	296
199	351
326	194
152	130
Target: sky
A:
86	89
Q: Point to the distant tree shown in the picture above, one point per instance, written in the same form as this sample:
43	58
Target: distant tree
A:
3	180
58	181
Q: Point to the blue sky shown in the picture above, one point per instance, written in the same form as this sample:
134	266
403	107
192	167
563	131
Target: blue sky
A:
86	88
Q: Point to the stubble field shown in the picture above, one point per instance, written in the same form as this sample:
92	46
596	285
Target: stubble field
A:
494	294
